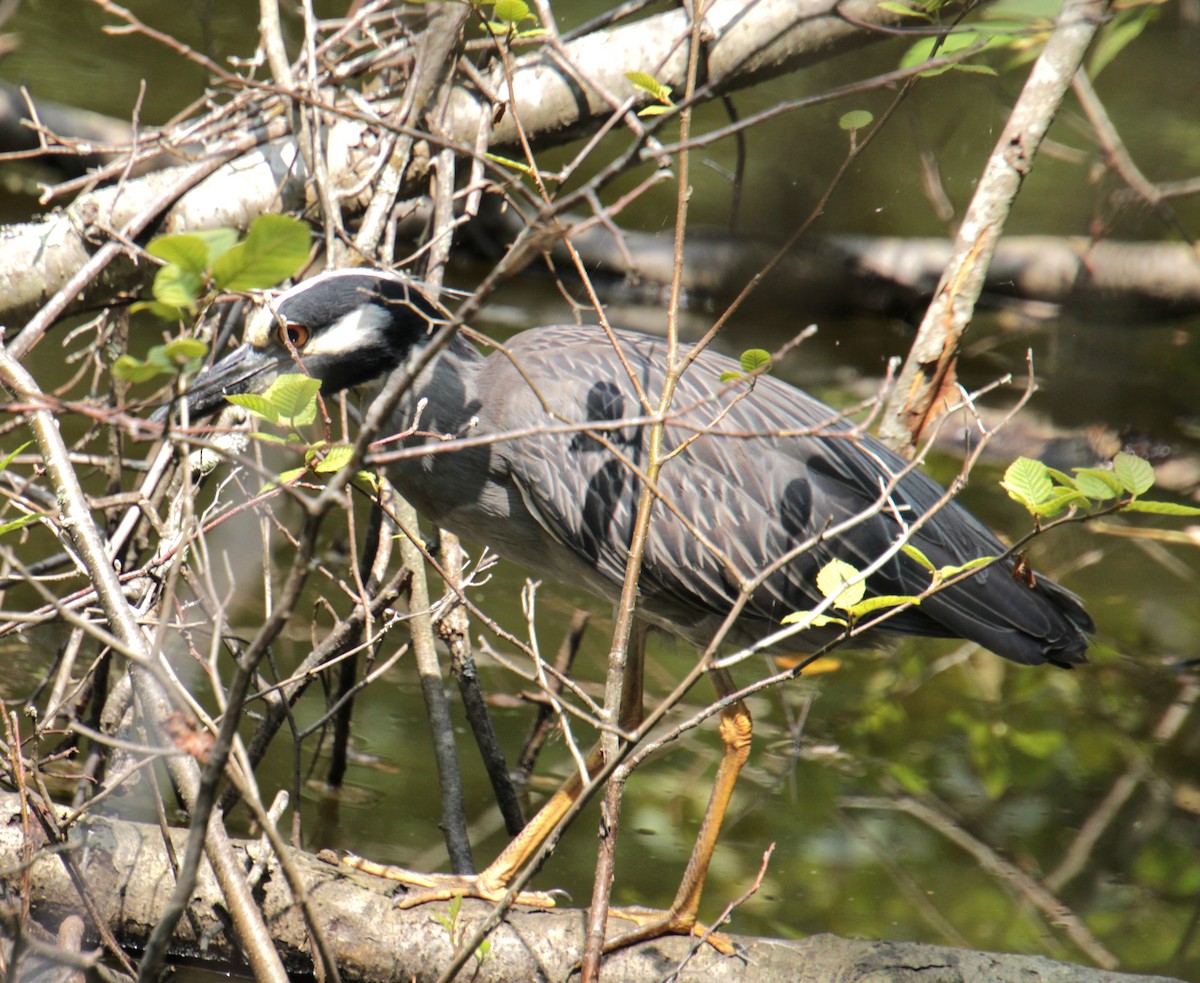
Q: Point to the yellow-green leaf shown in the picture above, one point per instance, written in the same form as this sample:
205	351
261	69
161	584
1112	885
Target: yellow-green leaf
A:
1135	474
836	580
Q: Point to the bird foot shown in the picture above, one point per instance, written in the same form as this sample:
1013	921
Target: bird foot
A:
423	888
653	923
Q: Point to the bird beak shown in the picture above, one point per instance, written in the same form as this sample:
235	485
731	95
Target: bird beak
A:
244	370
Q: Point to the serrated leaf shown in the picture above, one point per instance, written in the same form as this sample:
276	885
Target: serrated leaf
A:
187	251
257	404
754	360
135	370
1160	508
177	287
1060	477
18	523
1097	484
294	397
1135	474
274	249
336	458
856	119
836	580
511	11
1028	481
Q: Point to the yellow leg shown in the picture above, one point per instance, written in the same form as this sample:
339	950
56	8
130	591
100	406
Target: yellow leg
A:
735	729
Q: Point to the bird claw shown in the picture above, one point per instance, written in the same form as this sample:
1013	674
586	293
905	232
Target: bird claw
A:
653	923
423	888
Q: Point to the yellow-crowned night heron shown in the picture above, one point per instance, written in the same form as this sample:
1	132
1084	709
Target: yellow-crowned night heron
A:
766	468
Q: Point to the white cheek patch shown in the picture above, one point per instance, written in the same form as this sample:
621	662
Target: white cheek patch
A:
350	333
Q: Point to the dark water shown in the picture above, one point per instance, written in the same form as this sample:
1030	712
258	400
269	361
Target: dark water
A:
1018	760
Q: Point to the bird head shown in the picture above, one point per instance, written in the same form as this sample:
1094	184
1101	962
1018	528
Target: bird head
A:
344	327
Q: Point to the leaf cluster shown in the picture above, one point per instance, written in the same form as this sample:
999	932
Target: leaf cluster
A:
291	402
753	361
275	248
1047	492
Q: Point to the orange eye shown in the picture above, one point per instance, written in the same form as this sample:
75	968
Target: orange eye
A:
293	335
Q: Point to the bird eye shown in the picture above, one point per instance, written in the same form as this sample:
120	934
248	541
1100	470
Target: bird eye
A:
293	335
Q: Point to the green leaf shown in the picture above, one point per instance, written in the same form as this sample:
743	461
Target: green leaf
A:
1097	484
516	165
168	312
1123	29
915	554
275	248
644	82
1160	508
810	620
18	523
187	353
294	398
135	370
287	477
8	458
856	119
870	604
1028	482
1135	474
1062	500
836	580
654	110
187	251
218	241
754	360
975	69
367	481
729	375
336	458
1039	744
511	11
952	570
257	404
177	287
903	9
924	49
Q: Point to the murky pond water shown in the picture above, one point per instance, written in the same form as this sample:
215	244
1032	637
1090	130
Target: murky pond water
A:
897	788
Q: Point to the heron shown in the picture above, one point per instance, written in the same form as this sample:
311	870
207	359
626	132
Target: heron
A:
762	486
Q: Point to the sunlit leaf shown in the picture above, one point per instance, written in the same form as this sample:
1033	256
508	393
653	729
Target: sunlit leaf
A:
755	360
1027	481
729	375
836	580
177	287
871	604
644	82
953	570
257	404
1161	508
8	458
511	11
275	248
218	241
294	398
1097	484
1135	474
188	251
915	554
336	458
18	523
